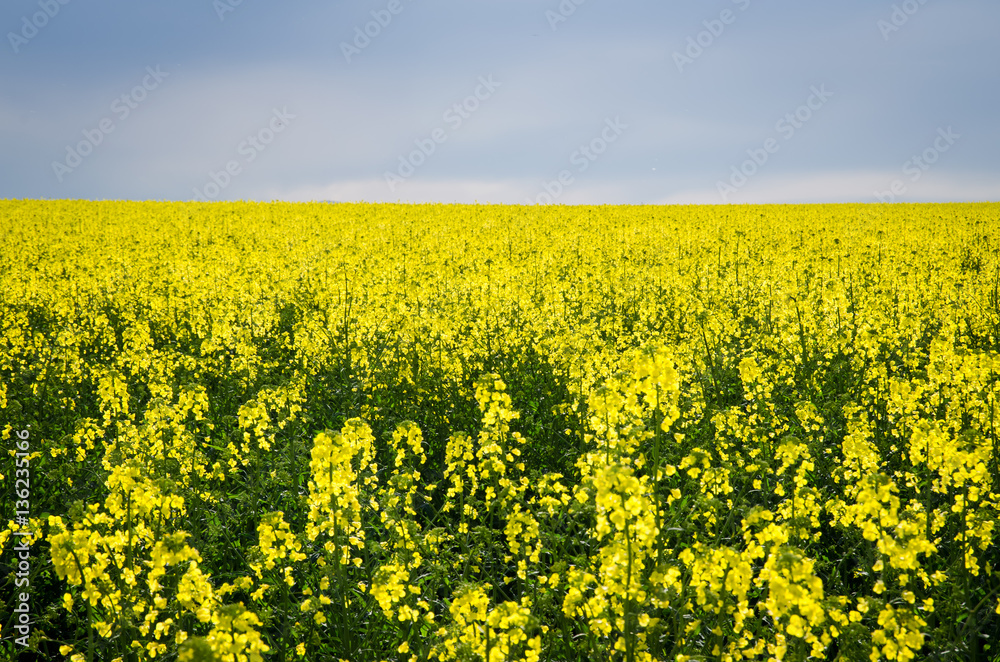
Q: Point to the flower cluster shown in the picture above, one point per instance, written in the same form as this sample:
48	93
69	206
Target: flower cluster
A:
491	433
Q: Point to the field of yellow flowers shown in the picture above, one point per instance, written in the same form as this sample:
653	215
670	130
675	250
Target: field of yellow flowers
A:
244	432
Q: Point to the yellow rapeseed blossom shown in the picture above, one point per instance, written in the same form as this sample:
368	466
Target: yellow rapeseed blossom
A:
510	433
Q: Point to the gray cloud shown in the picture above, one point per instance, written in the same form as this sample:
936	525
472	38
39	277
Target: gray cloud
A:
893	89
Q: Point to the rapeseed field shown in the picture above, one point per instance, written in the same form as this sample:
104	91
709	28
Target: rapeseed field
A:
244	432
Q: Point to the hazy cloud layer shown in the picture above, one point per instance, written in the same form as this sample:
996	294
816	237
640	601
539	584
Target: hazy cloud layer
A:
578	101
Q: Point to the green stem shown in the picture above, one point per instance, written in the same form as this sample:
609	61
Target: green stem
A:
629	629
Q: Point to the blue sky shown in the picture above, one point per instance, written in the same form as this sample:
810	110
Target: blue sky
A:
507	101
